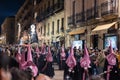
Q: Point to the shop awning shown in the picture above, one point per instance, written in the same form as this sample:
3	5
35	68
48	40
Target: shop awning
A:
78	31
103	27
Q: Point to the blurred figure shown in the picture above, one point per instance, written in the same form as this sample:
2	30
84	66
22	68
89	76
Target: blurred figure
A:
100	61
19	74
118	58
111	65
4	71
96	78
42	77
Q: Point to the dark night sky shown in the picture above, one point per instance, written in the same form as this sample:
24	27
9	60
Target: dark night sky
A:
9	8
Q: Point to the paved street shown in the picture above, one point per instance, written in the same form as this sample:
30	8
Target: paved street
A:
58	75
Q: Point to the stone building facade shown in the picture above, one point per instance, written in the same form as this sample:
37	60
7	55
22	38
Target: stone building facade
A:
93	22
65	21
24	18
49	18
8	30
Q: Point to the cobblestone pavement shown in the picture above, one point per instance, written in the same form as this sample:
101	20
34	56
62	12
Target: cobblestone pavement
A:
58	75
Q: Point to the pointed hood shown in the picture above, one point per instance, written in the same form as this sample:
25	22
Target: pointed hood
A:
71	61
43	50
37	51
23	63
49	57
18	55
111	56
34	70
85	61
23	56
63	52
30	62
29	54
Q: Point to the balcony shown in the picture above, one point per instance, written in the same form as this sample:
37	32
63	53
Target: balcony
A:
90	13
80	17
51	10
59	6
54	8
109	8
70	20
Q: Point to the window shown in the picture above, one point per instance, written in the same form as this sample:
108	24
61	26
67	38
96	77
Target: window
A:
48	6
41	29
53	2
62	24
83	11
58	21
12	25
73	6
53	27
48	28
44	30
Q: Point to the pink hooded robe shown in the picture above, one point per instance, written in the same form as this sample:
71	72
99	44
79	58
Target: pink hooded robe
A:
85	61
111	58
62	54
43	50
29	63
71	61
18	55
37	51
49	57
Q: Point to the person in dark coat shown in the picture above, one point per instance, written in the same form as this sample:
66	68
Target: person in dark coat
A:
49	70
41	63
114	73
111	65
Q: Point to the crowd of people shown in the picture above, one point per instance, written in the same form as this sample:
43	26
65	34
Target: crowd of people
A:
34	62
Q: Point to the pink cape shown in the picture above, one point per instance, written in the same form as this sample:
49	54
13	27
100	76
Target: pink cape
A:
49	57
62	54
71	61
29	63
85	61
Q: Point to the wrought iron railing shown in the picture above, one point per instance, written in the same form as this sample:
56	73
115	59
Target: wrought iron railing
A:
70	20
78	17
90	13
51	10
108	7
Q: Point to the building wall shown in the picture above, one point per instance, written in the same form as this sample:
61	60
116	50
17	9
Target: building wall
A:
105	10
47	13
24	18
8	29
79	14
